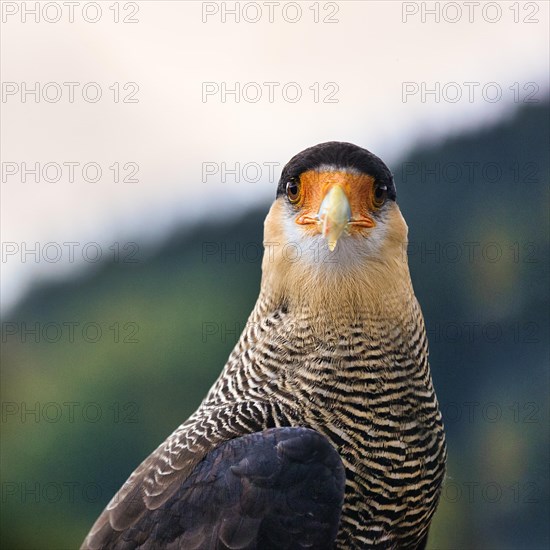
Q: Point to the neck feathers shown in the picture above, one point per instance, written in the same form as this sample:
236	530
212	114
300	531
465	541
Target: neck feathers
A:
363	277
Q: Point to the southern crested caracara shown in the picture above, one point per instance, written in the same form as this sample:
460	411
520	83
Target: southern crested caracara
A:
323	430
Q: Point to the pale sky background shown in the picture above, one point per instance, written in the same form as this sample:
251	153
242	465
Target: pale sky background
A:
170	132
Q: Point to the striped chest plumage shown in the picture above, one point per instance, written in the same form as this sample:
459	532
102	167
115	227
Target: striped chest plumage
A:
367	387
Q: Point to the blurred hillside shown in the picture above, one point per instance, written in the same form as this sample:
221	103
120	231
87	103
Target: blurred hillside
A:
123	355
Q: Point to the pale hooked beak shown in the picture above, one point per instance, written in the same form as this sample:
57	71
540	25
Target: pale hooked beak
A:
334	215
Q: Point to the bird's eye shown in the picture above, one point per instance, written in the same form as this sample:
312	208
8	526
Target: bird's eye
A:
380	195
293	191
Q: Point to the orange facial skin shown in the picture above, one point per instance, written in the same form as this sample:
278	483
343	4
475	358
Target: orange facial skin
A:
359	189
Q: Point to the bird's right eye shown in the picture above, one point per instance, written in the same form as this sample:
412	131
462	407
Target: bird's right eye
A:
293	191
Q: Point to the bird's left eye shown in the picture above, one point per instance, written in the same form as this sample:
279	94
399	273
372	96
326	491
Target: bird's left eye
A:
293	191
380	195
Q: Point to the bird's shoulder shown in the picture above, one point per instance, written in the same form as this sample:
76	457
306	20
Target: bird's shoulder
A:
272	488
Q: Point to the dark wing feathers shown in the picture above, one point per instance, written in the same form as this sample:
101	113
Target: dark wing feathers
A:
282	488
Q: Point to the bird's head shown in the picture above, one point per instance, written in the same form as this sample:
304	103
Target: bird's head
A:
335	223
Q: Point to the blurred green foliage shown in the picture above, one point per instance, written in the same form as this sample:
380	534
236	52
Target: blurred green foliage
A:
479	262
